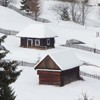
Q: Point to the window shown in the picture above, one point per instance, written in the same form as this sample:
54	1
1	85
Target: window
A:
37	42
48	41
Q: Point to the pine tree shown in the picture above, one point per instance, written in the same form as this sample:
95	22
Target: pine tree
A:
35	7
25	5
2	39
6	93
8	74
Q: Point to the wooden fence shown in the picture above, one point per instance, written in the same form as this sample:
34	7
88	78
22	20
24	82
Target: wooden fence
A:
90	64
90	75
8	32
20	63
23	63
82	47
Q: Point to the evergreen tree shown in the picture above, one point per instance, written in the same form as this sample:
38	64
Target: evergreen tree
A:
25	5
35	7
8	74
2	39
6	93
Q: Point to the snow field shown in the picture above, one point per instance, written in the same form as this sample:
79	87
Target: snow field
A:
27	88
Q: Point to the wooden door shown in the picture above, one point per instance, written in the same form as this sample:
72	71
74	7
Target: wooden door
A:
29	42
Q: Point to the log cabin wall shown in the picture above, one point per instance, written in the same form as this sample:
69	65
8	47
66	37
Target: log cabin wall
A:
49	77
70	75
23	42
43	42
58	78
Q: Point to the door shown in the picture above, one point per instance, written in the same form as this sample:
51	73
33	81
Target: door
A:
29	42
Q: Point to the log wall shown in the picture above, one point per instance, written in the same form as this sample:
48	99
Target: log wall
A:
58	78
43	43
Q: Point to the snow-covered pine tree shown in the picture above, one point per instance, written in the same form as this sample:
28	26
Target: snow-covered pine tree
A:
6	93
25	5
8	74
2	39
35	7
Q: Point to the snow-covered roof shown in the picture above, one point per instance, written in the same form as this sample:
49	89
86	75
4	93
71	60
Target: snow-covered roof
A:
39	30
65	59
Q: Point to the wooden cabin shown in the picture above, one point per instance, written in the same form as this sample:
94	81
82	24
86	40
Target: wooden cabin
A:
37	36
58	68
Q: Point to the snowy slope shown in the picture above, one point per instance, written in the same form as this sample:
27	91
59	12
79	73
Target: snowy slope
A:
92	19
9	19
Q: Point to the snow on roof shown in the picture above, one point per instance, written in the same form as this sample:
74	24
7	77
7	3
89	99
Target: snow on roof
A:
65	59
38	30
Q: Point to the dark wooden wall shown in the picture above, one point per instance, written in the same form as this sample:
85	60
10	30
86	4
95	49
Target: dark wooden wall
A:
43	42
70	75
47	63
58	78
49	77
23	42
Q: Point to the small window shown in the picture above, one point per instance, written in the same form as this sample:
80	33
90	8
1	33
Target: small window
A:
48	41
37	42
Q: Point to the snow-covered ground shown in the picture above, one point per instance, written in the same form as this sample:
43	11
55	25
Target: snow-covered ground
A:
90	70
9	19
27	88
89	57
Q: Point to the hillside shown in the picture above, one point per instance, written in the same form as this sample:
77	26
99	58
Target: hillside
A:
93	14
9	19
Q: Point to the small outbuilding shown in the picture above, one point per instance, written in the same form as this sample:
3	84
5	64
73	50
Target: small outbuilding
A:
74	41
37	36
58	68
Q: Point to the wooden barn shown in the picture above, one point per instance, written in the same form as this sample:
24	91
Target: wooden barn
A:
58	68
37	36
